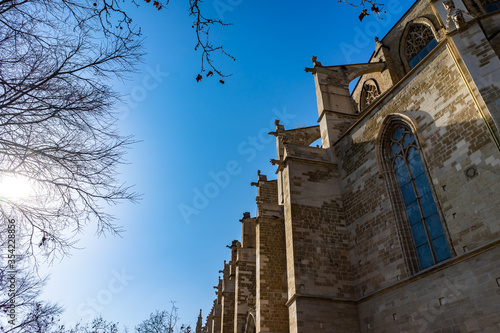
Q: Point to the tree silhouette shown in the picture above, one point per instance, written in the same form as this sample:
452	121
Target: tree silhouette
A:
21	310
162	322
57	125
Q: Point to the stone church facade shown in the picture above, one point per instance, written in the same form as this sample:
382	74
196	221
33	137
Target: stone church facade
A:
393	224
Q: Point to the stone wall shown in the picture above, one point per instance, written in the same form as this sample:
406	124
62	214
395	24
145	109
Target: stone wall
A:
245	285
272	313
390	52
227	297
455	139
462	296
317	247
330	248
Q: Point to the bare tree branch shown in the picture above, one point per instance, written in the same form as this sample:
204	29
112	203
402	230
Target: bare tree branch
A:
98	325
57	124
366	5
160	322
202	25
30	313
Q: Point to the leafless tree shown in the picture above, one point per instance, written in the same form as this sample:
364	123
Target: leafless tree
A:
98	325
57	125
21	310
160	322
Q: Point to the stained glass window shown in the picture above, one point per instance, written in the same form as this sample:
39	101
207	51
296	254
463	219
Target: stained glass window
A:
490	6
426	227
419	42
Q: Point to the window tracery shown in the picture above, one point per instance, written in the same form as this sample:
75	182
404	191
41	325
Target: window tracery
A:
370	93
419	42
423	220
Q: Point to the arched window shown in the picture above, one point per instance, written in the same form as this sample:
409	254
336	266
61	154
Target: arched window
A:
419	42
490	6
369	92
423	222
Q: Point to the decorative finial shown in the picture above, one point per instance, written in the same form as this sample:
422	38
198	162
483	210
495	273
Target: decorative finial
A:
246	215
315	61
279	127
261	176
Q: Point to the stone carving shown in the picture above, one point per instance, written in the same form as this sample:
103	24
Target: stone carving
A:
418	37
278	162
370	93
471	172
454	14
251	301
315	61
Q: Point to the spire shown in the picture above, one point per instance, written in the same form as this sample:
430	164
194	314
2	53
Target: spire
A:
199	323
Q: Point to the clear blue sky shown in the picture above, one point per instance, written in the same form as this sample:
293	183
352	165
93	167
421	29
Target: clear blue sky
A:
192	131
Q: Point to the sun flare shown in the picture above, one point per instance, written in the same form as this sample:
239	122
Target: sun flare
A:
14	187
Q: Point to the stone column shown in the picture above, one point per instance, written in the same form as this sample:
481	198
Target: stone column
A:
227	301
271	311
245	273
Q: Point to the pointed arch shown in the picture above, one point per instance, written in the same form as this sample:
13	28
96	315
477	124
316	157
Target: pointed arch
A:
250	326
369	92
418	39
382	136
422	233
